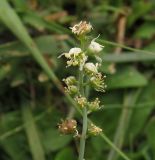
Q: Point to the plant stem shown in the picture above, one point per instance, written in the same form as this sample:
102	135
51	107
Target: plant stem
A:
84	114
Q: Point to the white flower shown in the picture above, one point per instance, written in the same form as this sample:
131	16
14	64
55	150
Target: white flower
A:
76	57
91	68
95	47
72	52
81	28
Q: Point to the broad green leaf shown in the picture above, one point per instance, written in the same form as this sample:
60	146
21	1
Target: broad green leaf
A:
139	9
20	4
125	77
32	133
13	144
145	31
53	140
65	154
15	147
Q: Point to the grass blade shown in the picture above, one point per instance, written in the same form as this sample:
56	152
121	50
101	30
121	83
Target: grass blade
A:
32	133
123	123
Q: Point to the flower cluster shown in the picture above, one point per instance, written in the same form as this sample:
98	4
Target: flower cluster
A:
68	126
79	58
71	87
94	130
81	28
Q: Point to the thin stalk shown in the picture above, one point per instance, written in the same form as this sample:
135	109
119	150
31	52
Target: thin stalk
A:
84	114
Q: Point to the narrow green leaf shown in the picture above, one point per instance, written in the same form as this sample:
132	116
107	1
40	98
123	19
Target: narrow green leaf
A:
123	123
141	115
150	132
128	57
32	133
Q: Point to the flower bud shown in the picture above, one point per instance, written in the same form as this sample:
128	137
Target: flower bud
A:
72	90
72	52
90	68
81	28
71	80
94	130
68	126
95	47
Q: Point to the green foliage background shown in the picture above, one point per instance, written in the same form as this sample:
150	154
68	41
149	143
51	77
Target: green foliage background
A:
32	35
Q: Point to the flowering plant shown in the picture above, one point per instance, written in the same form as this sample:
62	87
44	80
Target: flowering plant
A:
89	75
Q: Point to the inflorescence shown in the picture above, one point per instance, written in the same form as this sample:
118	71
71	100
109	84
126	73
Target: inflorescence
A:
79	58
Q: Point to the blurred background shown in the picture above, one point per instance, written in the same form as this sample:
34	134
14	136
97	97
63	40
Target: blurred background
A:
31	105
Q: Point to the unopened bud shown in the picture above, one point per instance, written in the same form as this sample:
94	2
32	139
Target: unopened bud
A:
90	68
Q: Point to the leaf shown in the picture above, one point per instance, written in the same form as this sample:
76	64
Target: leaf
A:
128	57
12	144
15	147
32	133
46	44
12	21
53	141
140	116
150	132
145	31
38	22
123	123
65	154
4	71
139	9
125	77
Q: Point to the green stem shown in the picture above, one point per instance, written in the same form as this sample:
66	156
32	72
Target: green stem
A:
84	114
83	136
